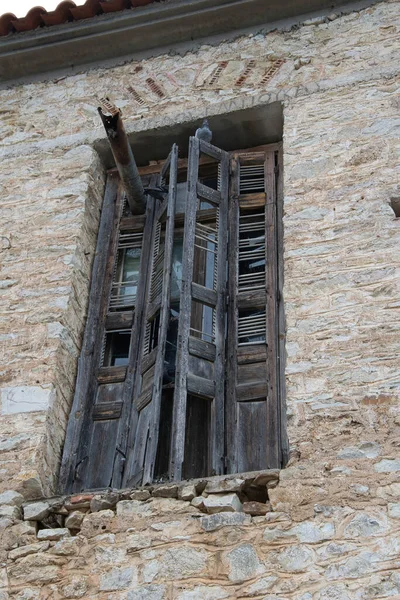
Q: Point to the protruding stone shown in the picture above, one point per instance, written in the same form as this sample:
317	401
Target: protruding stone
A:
263	477
140	495
53	534
224	519
165	491
37	511
256	509
12	498
104	502
216	503
394	510
187	492
74	520
224	486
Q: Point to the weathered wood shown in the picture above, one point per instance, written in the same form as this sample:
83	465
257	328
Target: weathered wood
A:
232	318
148	360
111	374
77	442
210	150
284	442
155	410
201	349
251	299
182	357
130	415
119	320
106	411
206	193
204	295
197	459
256	353
252	373
217	423
251	391
252	201
199	386
271	248
132	223
252	451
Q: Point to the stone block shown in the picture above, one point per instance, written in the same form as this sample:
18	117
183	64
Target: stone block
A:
104	502
28	549
204	592
53	534
97	523
216	503
12	498
13	512
394	510
26	398
148	592
295	559
187	492
224	519
224	486
244	563
165	491
198	502
256	509
364	525
74	520
118	579
140	495
37	511
388	465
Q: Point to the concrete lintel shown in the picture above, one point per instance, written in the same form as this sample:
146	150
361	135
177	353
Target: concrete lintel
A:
99	40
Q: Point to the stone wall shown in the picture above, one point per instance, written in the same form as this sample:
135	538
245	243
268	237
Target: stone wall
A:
332	529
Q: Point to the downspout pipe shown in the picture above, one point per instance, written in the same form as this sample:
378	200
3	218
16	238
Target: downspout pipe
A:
123	156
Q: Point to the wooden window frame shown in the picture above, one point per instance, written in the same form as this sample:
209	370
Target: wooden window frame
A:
79	463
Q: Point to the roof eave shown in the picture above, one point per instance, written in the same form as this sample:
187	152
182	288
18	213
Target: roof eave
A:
156	27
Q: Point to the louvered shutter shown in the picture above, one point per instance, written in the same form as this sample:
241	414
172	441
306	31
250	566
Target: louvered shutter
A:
197	445
253	396
144	425
94	451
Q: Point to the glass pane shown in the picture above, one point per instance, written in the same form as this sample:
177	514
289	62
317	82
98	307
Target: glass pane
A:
124	287
116	353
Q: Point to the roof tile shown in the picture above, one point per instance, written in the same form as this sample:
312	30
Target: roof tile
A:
65	11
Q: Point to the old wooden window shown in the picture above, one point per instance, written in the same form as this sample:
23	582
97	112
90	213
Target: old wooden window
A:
180	373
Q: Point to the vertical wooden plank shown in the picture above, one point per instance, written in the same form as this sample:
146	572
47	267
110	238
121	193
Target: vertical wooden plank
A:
273	413
124	466
232	318
164	320
77	436
251	438
217	407
281	307
182	358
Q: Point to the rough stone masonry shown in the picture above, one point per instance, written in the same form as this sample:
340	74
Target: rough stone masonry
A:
331	526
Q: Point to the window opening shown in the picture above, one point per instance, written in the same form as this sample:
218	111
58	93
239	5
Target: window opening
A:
210	376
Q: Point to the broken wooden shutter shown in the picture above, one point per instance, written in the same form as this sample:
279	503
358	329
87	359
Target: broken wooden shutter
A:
253	395
151	362
197	445
94	452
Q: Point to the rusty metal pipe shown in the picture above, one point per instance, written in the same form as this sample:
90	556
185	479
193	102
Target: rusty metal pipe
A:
123	157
